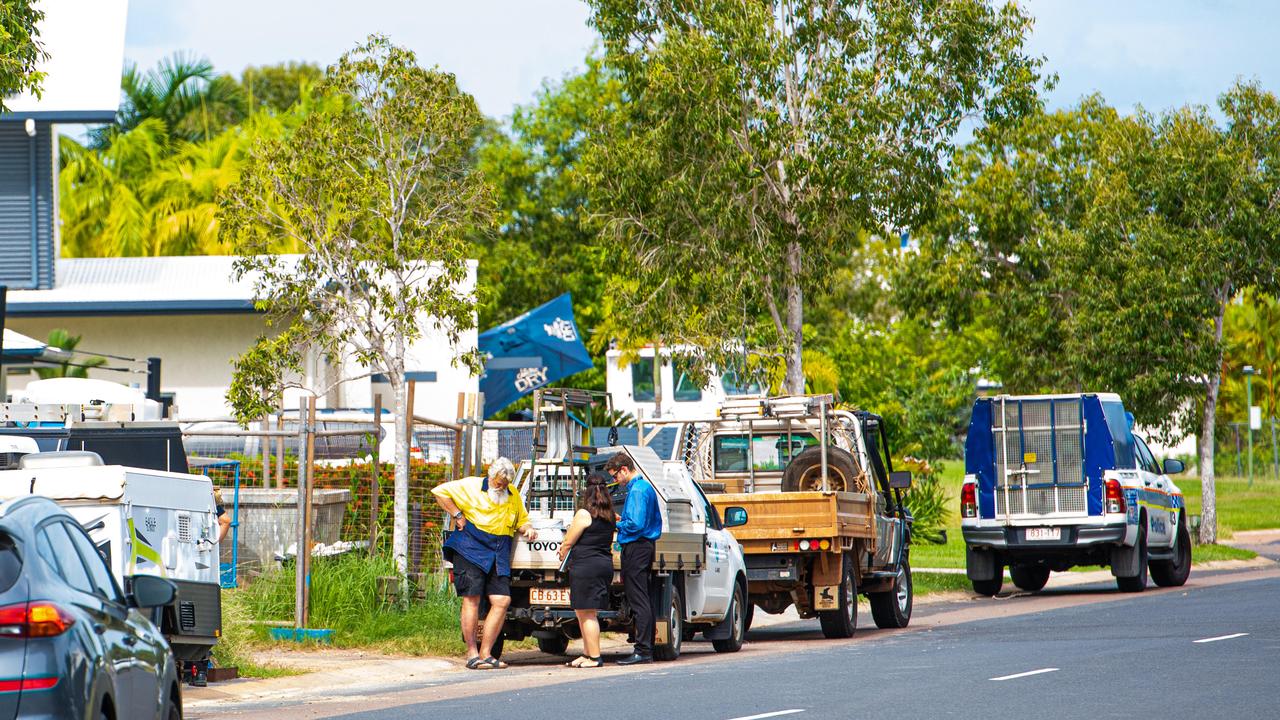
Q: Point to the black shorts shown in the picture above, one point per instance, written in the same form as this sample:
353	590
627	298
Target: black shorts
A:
469	580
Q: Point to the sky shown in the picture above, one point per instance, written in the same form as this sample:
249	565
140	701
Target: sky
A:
1157	54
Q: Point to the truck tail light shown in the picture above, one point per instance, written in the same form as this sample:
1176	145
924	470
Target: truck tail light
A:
1115	499
968	500
34	619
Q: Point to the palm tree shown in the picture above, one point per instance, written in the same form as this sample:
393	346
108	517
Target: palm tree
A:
65	341
104	208
183	92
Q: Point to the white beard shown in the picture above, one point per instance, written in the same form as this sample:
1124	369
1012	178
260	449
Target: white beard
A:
499	497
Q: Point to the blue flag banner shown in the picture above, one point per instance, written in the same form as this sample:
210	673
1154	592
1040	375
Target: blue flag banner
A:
524	354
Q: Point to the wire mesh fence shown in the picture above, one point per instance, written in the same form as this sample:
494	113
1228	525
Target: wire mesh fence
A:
1231	454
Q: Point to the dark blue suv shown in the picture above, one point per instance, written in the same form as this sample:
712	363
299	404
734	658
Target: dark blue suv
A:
72	645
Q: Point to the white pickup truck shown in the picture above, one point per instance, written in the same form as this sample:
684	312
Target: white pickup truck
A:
704	575
1055	481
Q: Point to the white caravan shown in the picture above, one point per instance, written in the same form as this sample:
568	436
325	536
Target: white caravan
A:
631	389
143	522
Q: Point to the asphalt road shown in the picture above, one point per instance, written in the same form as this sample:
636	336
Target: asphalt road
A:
1206	652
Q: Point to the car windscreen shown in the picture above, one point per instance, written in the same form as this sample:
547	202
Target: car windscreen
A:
769	451
10	563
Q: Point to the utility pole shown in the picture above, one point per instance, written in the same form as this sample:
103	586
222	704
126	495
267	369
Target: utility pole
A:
1248	401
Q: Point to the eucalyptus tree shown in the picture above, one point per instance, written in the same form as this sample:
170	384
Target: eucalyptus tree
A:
377	189
1103	251
759	139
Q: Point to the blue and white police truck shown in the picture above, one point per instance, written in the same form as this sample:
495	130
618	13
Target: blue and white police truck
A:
1056	481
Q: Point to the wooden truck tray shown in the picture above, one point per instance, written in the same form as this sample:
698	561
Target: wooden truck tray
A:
778	516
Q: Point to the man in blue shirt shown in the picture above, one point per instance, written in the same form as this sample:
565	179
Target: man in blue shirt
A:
638	527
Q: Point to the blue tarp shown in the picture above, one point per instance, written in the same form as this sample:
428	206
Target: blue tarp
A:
524	354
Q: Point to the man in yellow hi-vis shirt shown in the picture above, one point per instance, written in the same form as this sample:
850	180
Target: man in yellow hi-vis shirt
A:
485	516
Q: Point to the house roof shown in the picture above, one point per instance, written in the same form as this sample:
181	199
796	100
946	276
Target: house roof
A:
139	286
179	285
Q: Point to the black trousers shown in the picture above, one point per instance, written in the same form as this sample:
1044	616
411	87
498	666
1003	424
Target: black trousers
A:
641	587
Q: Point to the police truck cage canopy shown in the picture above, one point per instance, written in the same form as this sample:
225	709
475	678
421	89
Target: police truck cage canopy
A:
1043	456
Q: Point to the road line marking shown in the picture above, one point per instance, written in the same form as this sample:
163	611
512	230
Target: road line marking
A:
1026	674
769	715
1221	637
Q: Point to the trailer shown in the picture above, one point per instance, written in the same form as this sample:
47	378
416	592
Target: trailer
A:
127	483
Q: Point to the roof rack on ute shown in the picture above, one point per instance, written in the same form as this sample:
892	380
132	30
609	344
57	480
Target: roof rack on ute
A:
780	407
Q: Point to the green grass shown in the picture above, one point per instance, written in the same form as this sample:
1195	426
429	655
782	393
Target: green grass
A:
1207	553
238	639
926	583
928	555
1239	506
344	599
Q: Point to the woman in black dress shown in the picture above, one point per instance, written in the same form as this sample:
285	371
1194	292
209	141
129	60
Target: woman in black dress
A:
590	537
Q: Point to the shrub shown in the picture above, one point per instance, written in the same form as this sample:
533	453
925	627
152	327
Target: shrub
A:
927	500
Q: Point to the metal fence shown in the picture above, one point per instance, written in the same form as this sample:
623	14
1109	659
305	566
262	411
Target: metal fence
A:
1231	453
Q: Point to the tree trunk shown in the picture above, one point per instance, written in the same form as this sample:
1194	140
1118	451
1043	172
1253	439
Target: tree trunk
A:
1208	491
1208	498
794	381
400	525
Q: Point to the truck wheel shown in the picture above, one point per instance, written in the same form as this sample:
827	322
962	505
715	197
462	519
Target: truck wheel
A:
553	646
892	608
990	588
840	623
675	630
1029	577
738	618
1174	573
804	473
1138	582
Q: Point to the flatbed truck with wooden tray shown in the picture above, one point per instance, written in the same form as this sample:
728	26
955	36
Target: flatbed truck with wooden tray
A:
700	564
825	520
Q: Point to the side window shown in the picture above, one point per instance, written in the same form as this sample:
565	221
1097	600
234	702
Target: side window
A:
687	390
65	558
97	567
1146	460
713	517
642	380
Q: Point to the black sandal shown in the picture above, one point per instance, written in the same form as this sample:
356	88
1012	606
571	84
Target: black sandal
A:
490	663
472	663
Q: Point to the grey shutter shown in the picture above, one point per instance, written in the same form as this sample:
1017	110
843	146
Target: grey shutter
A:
26	258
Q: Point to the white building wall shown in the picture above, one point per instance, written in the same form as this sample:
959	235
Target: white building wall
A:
196	351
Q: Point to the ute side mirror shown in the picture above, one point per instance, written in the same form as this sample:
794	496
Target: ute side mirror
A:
151	591
735	517
900	479
1173	466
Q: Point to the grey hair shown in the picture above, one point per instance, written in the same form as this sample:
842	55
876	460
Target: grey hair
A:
502	467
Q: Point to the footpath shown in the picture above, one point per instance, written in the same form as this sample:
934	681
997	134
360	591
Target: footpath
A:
331	675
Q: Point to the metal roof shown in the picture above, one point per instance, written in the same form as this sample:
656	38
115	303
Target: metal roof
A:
17	345
140	286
